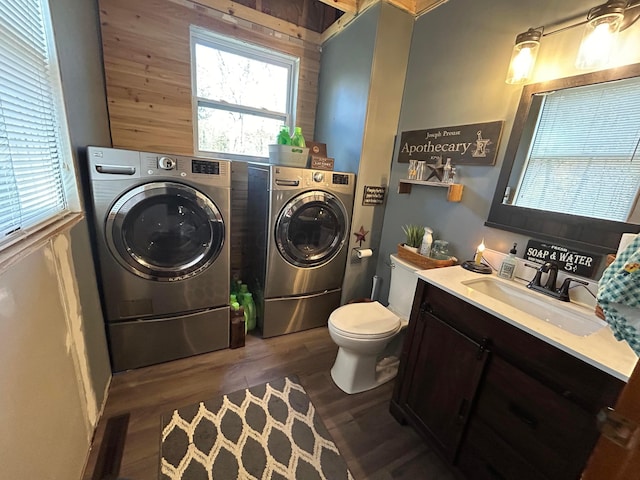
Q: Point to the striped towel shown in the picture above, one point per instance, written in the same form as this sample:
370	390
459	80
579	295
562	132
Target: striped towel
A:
619	295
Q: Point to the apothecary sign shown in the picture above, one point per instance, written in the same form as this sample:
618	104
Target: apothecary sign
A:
475	144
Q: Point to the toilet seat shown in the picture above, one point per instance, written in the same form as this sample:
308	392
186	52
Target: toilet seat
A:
369	320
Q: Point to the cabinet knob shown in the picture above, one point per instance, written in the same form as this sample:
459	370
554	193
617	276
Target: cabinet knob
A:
483	347
426	308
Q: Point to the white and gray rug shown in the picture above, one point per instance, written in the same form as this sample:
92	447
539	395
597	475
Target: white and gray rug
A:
270	431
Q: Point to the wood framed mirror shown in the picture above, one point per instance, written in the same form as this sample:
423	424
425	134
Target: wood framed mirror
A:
597	230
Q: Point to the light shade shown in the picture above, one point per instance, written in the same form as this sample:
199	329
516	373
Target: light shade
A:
523	57
600	33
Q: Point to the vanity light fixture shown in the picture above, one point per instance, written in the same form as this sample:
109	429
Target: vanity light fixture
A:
602	25
523	57
600	33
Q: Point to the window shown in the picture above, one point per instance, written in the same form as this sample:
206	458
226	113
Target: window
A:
37	183
584	158
243	94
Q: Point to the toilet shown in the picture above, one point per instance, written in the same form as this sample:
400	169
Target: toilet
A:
365	332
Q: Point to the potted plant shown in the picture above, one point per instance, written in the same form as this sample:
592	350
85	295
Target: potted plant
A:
414	235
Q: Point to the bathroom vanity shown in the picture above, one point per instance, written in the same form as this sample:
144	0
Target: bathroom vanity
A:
500	393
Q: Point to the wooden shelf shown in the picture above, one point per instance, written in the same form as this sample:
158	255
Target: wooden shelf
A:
454	193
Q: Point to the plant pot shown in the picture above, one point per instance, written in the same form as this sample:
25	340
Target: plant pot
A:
411	249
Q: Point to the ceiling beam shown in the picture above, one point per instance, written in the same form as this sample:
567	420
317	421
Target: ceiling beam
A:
415	7
347	6
406	5
233	9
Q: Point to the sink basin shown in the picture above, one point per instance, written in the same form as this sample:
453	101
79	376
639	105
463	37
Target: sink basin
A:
570	317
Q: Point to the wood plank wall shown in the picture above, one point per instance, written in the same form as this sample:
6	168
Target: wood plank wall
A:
148	77
146	56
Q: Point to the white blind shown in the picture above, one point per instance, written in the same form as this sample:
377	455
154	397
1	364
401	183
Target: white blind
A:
31	149
584	158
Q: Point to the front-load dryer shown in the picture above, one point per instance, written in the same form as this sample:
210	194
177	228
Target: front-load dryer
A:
162	235
299	223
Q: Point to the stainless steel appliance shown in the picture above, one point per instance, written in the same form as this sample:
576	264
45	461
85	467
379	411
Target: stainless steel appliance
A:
161	224
298	226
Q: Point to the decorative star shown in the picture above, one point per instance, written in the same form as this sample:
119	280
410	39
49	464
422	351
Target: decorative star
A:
437	170
361	235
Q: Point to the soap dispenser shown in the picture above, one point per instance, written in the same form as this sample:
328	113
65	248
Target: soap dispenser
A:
508	267
427	241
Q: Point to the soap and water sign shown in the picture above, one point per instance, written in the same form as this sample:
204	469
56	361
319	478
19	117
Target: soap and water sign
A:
576	262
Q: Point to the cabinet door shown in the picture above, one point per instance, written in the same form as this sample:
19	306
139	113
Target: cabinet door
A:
444	380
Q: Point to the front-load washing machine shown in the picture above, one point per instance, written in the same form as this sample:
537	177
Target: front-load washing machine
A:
299	222
161	228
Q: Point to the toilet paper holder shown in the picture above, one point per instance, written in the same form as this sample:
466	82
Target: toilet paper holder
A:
361	253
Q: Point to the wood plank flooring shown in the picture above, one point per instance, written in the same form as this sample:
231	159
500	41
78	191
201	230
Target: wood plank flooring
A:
374	445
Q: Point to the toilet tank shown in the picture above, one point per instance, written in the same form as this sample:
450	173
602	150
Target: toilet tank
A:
402	287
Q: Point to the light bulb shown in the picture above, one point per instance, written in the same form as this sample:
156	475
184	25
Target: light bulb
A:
478	256
523	56
600	35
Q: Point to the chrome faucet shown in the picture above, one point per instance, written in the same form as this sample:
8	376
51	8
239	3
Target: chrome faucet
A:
550	287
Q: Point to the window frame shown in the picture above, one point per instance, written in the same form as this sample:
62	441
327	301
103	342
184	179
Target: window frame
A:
209	38
34	233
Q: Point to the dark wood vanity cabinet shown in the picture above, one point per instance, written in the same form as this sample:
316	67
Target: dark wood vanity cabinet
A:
495	401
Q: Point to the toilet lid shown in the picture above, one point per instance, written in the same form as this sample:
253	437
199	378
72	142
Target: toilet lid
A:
369	319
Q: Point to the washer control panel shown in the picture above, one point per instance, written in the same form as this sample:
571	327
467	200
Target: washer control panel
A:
166	163
340	179
205	166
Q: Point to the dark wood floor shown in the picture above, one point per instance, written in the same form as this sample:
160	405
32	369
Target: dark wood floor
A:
374	445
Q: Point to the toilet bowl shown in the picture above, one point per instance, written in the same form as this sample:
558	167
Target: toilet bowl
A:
364	333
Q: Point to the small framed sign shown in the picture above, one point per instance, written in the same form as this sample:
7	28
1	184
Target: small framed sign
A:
321	163
574	261
316	148
373	195
475	144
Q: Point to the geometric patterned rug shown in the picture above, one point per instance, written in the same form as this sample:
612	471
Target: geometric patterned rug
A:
270	431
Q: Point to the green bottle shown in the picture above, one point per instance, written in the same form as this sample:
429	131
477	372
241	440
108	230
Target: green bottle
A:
242	293
298	140
233	299
250	308
284	138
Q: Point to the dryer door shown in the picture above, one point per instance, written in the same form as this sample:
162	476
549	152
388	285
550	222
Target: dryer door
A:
311	229
165	231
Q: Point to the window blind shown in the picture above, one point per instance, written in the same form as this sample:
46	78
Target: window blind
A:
584	158
32	147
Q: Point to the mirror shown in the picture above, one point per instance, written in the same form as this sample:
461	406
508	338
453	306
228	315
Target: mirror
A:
530	212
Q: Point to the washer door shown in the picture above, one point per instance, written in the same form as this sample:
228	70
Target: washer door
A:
165	231
311	229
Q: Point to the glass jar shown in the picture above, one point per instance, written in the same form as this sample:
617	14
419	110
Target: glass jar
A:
420	172
413	170
440	250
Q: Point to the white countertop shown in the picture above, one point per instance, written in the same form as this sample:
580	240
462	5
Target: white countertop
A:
599	349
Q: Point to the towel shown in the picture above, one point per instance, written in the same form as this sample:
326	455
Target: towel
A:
619	295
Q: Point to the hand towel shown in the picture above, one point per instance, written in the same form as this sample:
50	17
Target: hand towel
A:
619	295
